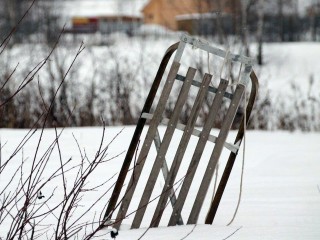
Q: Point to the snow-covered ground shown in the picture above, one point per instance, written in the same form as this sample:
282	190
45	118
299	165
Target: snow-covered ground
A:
281	189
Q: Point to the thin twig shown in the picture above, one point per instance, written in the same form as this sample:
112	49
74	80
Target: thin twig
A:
189	232
232	233
31	75
6	40
61	165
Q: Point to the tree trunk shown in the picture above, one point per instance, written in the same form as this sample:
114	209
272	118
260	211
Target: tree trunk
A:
244	24
281	20
260	31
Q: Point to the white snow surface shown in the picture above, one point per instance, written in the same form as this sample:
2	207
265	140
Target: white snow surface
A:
288	62
281	189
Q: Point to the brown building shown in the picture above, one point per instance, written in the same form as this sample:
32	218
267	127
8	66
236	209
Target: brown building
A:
168	12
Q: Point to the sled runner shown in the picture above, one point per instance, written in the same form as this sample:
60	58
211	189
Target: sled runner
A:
226	100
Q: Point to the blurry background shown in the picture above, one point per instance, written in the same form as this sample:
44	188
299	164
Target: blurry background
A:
273	21
125	41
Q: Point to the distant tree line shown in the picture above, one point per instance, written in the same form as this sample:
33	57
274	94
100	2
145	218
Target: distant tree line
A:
279	20
40	24
267	20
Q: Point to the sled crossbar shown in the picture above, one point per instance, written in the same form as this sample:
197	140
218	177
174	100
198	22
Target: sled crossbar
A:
232	147
203	45
170	119
198	84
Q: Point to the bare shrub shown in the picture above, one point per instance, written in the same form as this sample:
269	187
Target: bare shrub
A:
25	212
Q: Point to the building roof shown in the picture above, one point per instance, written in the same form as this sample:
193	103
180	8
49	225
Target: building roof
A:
100	8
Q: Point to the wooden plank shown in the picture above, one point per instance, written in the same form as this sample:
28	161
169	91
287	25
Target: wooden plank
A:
125	202
179	52
165	173
168	186
216	153
163	149
198	152
232	157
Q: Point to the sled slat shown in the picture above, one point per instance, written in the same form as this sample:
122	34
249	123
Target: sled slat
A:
165	173
232	157
198	152
147	144
163	149
181	149
216	154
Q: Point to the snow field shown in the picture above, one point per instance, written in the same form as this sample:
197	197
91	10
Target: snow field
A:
281	197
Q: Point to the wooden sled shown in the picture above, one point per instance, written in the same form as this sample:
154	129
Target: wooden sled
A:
157	117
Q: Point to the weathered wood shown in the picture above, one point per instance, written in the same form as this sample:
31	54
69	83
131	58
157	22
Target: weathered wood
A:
146	145
198	84
232	157
163	148
179	52
188	130
165	173
168	186
198	152
217	150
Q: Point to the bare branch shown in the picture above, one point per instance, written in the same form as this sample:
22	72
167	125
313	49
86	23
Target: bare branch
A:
232	233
